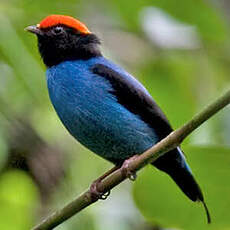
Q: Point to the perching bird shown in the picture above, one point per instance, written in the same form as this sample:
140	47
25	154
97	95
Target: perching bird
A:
104	107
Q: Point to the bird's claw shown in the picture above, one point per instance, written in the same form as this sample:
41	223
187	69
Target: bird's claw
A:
97	195
126	171
105	195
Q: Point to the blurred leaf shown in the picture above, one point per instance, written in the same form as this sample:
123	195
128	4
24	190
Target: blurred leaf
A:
199	13
161	201
18	200
28	71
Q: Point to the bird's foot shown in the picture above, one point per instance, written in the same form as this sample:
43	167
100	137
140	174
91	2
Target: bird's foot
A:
94	186
95	193
125	168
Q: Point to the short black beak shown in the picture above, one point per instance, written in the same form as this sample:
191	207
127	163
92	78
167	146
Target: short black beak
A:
34	30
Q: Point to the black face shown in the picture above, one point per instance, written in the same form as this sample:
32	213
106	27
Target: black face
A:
61	43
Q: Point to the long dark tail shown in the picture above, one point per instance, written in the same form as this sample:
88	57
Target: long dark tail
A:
174	164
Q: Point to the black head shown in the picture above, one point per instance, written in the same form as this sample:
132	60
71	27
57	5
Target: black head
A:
62	40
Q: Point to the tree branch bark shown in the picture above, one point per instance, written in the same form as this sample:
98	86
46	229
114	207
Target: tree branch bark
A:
170	142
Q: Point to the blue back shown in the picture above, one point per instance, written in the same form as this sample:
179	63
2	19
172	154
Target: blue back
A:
91	113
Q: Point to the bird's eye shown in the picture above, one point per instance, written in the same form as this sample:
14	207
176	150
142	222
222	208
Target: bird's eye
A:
58	30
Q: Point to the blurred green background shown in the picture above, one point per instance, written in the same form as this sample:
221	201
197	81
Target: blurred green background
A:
179	50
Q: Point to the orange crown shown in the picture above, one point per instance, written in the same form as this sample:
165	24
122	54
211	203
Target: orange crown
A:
54	20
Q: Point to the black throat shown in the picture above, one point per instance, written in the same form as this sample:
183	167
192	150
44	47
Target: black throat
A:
71	46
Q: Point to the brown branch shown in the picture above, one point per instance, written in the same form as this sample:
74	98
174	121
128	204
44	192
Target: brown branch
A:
170	142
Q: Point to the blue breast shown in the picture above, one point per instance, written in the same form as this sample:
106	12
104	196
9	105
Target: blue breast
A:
92	114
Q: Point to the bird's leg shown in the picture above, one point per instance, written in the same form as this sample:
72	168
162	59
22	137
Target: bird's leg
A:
125	169
94	186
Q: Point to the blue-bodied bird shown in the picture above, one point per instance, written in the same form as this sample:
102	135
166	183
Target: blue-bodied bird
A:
104	107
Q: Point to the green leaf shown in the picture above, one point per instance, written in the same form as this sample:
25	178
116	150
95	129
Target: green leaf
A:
18	199
161	201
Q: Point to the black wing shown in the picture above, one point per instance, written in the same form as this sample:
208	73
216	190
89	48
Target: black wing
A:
134	98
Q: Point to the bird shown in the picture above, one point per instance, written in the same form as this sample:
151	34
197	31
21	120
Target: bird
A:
103	106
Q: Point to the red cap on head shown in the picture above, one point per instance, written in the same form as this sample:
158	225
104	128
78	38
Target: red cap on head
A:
54	20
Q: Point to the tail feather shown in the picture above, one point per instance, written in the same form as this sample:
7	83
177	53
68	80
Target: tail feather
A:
189	186
174	164
185	180
207	212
